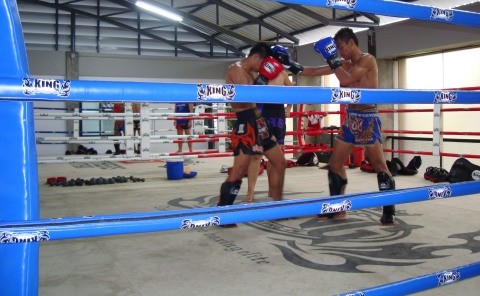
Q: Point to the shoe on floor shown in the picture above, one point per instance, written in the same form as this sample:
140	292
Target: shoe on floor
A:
435	175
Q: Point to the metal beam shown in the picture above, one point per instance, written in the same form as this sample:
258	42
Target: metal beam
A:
208	38
195	19
329	22
215	27
254	20
121	25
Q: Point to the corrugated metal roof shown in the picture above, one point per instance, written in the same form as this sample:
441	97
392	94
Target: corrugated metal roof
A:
210	28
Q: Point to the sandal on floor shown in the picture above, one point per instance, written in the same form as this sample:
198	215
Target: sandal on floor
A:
415	163
401	169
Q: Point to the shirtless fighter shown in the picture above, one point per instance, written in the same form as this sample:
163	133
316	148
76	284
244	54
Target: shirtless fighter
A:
250	135
362	125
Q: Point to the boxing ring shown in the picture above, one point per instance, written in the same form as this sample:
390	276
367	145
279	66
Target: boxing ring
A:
21	230
436	152
145	138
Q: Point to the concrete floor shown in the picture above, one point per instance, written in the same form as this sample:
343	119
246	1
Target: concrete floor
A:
301	256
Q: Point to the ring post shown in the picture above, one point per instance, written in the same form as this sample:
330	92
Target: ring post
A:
19	180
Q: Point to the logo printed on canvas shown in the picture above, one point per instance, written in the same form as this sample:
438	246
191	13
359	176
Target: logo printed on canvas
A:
305	241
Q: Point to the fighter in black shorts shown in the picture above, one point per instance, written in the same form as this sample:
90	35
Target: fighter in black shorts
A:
250	135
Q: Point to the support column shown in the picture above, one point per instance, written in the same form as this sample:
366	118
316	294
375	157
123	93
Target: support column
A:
72	73
386	80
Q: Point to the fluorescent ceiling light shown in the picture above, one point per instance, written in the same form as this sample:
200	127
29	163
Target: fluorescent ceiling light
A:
160	11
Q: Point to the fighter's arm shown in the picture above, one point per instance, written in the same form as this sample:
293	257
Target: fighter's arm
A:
357	72
316	71
288	108
322	70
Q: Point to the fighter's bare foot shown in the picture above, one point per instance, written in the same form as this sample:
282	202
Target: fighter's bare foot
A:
248	199
332	216
228	225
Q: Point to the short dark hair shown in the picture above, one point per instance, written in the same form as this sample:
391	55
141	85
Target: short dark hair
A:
345	34
262	49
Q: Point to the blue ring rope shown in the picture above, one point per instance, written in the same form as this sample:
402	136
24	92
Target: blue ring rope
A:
399	9
82	227
421	283
113	91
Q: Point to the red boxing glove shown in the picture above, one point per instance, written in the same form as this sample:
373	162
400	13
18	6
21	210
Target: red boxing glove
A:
269	69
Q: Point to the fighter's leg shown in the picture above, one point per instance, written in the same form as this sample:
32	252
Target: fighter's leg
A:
188	132
253	170
234	179
230	188
269	167
384	178
278	164
341	151
119	130
276	125
180	143
337	176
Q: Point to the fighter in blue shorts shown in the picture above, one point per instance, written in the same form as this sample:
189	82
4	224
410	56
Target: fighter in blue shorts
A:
361	128
354	69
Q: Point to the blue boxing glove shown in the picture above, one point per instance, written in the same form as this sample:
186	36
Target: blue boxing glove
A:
281	54
328	49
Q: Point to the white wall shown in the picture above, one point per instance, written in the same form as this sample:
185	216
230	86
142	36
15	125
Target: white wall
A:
439	71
